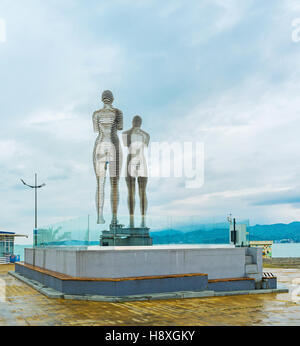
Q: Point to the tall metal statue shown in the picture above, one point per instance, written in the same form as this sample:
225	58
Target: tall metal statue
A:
107	153
136	140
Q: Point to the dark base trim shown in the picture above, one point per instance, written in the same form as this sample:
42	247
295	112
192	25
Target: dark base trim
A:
118	287
51	293
114	287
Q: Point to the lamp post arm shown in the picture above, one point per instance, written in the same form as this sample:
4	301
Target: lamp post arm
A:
27	184
38	187
33	187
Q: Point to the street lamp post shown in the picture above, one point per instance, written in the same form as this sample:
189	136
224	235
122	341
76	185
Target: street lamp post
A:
35	187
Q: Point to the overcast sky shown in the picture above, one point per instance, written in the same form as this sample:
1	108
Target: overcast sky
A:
222	72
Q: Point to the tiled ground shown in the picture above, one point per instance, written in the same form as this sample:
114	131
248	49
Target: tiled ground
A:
24	306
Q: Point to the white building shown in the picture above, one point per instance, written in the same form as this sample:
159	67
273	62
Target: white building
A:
7	240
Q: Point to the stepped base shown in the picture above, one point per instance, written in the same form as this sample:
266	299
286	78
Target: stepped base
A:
131	236
56	285
137	270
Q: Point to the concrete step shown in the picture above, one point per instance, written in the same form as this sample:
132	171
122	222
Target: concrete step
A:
256	276
251	268
249	259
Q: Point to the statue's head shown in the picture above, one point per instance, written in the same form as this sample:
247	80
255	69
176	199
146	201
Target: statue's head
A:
107	97
137	121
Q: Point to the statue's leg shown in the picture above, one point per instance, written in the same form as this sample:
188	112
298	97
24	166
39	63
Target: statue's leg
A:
100	167
100	199
114	199
130	181
142	181
115	165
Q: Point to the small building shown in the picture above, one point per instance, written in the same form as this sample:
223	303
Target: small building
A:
7	240
266	245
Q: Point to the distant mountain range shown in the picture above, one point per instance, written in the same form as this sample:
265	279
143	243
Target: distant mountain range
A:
220	235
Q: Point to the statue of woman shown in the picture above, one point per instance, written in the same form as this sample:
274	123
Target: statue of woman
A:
136	140
107	153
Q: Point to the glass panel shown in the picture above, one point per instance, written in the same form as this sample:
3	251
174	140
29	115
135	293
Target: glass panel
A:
84	231
1	248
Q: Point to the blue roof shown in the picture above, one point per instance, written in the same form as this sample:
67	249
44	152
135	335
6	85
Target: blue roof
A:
5	232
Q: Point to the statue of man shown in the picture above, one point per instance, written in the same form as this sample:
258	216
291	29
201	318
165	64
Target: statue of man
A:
107	153
136	140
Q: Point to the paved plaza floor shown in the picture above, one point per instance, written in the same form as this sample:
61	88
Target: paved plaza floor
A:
22	305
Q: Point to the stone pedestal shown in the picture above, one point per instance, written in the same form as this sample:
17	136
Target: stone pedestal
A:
120	236
144	272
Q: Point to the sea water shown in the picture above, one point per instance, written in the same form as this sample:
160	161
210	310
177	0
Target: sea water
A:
286	250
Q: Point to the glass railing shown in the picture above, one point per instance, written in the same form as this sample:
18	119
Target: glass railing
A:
83	231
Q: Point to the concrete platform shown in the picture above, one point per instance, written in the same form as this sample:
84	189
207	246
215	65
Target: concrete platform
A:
218	262
113	286
126	271
52	293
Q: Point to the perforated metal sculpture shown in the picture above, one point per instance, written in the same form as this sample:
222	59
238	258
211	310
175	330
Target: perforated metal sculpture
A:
107	153
136	140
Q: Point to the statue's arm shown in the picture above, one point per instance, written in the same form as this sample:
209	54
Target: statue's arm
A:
146	138
125	138
119	120
95	122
